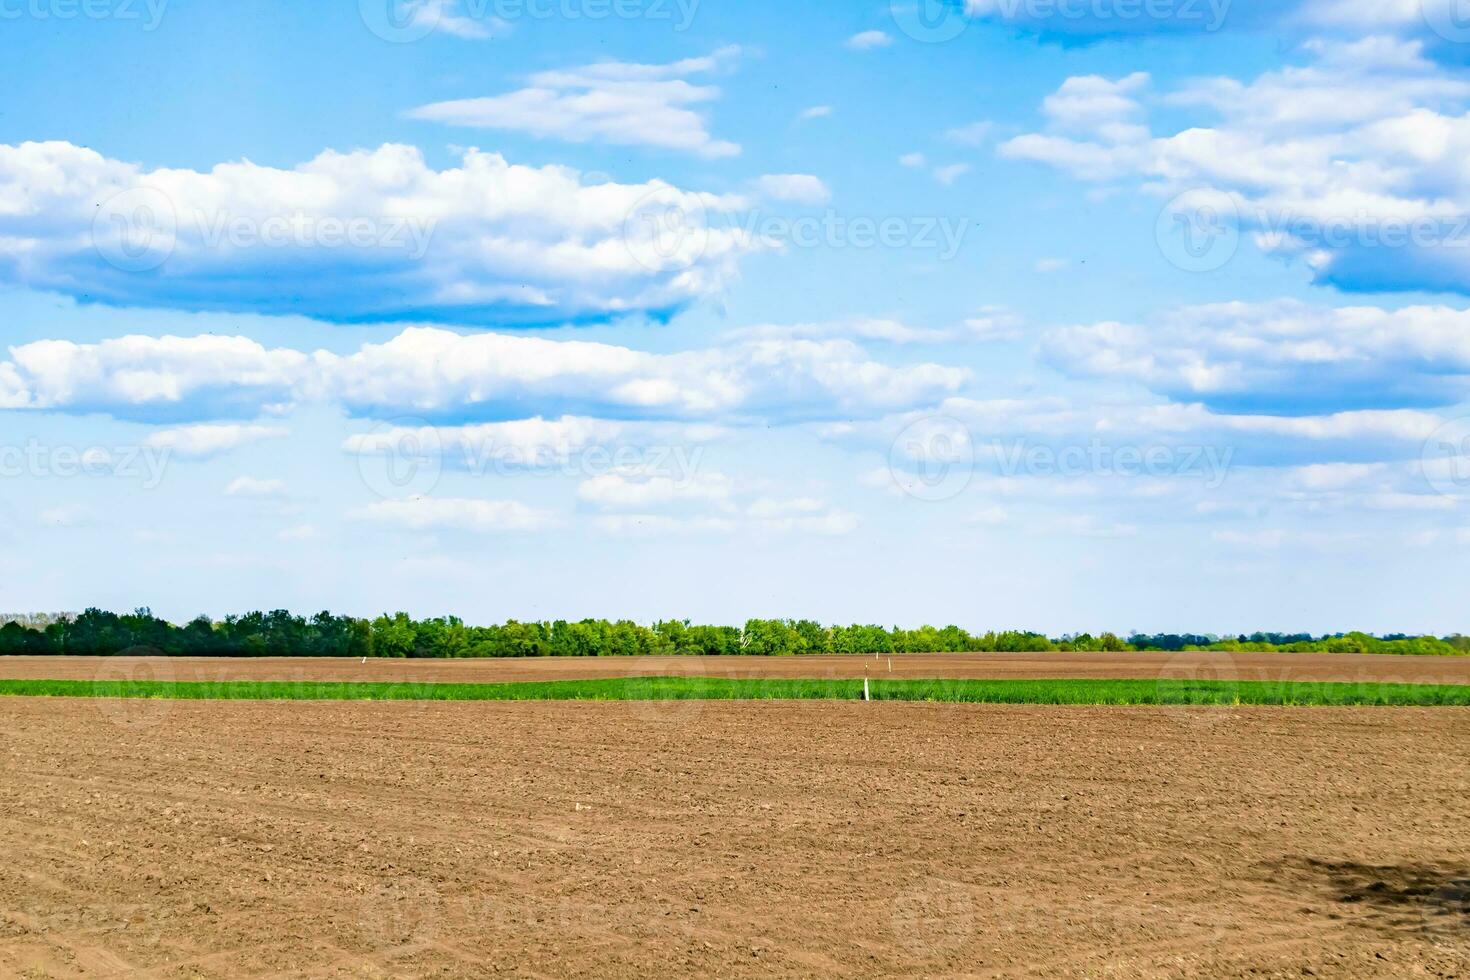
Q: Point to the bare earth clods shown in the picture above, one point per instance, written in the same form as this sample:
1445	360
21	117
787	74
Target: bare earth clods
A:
179	839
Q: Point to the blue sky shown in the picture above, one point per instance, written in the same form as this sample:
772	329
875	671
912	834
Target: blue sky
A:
1055	314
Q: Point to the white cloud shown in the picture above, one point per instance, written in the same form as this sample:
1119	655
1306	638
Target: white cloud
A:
1285	356
299	532
914	160
363	235
796	188
1349	162
1083	21
206	440
641	502
994	323
1366	15
869	40
768	507
809	515
816	112
540	444
239	374
970	134
455	513
1094	104
249	486
415	17
1204	445
1282	20
831	523
436	371
609	102
1048	265
433	372
642	491
860	328
1335	476
637	503
949	173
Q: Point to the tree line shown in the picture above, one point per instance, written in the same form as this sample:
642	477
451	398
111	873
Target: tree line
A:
279	633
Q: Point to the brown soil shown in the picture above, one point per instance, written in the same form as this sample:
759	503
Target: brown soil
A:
182	839
1245	666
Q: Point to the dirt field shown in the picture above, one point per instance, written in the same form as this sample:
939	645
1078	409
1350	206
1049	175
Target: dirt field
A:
181	839
1254	666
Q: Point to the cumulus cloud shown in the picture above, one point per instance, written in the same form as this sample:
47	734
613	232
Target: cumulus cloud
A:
608	102
1349	162
455	513
366	235
440	374
1282	358
998	434
161	378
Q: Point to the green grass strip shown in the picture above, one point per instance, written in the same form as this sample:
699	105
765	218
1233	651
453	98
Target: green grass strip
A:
1120	692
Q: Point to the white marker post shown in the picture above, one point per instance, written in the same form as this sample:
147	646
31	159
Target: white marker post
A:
866	695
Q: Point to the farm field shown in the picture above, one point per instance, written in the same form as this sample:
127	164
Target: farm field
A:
182	839
1342	668
1114	691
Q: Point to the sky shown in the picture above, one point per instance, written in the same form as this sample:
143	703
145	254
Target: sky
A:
1060	315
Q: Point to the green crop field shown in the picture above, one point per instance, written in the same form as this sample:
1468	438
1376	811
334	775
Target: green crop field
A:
1117	692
